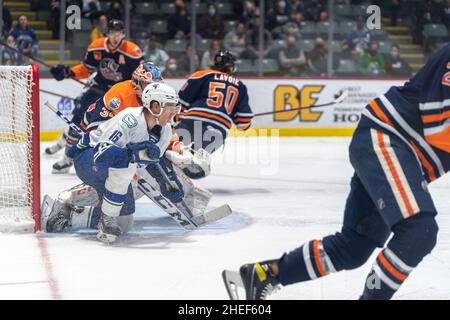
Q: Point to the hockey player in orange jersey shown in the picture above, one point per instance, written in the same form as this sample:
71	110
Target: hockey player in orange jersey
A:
107	61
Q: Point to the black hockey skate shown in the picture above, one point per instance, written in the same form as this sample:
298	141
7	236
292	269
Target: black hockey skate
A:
108	229
257	279
54	148
62	166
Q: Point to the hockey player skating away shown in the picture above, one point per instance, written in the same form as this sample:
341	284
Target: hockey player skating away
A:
113	59
212	101
401	144
107	159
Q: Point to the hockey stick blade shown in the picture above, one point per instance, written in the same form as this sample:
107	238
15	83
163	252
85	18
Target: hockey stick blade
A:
232	281
213	215
341	97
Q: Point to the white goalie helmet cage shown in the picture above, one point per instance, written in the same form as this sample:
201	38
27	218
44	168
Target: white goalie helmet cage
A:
161	93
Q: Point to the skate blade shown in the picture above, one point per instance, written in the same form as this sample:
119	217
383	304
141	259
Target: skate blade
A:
233	282
60	171
106	237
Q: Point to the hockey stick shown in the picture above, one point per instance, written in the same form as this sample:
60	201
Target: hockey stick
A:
337	99
66	120
56	94
155	195
47	65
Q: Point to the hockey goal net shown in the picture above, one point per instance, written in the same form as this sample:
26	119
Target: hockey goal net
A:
19	149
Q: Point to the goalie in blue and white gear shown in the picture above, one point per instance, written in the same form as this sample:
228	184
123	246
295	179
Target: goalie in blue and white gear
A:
107	159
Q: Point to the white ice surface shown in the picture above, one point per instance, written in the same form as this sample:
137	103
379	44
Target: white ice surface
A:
275	213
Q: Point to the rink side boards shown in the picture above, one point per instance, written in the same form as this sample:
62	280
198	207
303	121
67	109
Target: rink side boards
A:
265	95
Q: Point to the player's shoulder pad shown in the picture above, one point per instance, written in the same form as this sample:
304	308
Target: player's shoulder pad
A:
99	44
131	49
203	73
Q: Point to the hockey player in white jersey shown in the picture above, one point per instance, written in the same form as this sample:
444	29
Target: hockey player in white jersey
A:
107	159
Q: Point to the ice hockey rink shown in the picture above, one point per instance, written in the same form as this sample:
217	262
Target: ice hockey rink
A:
283	191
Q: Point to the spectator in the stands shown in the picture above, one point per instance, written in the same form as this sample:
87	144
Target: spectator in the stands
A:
292	26
92	9
278	15
357	41
296	5
427	11
235	40
9	56
208	55
53	23
252	50
184	62
172	69
292	58
210	25
155	54
316	10
24	37
7	20
316	62
250	11
395	65
371	62
116	10
99	30
179	23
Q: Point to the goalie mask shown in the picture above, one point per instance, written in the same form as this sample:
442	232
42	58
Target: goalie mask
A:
145	74
162	93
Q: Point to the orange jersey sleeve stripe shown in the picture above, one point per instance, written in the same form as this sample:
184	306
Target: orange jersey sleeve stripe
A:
395	174
389	267
436	117
425	162
380	114
317	258
202	73
239	119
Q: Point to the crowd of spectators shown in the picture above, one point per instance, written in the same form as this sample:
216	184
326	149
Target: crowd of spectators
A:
286	41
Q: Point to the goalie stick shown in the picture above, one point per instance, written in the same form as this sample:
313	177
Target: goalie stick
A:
186	220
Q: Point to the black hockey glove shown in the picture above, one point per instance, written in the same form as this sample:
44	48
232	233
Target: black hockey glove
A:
61	72
171	188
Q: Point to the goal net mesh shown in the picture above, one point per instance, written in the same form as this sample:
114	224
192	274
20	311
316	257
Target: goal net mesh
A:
16	156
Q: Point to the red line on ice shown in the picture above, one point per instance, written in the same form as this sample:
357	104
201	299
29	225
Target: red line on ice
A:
52	282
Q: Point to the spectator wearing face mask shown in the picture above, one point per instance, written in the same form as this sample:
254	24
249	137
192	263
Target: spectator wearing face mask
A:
172	69
235	40
210	25
395	65
316	11
179	23
316	59
292	59
371	62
